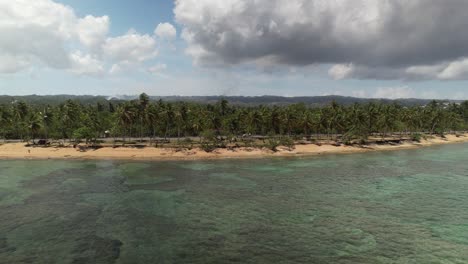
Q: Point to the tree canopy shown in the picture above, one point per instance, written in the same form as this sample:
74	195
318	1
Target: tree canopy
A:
143	118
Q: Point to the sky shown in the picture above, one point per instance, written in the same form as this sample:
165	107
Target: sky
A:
361	48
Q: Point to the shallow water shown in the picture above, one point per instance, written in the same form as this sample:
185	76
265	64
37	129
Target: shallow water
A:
394	207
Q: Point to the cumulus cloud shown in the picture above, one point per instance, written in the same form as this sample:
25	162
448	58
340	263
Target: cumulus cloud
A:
34	33
341	71
166	31
128	51
131	47
455	70
157	69
85	64
92	31
44	33
393	39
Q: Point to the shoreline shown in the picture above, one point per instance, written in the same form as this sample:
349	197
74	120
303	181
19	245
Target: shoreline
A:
18	151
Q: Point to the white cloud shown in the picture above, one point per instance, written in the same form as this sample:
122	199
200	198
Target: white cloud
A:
352	71
424	71
157	69
129	51
43	33
116	69
341	71
85	64
92	31
34	32
131	47
166	31
22	14
455	70
125	67
398	92
452	70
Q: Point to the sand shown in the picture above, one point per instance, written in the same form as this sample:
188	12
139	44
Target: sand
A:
20	151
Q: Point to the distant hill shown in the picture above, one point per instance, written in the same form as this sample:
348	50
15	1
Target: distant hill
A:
279	100
235	100
52	99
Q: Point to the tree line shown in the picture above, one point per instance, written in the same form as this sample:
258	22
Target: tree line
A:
143	118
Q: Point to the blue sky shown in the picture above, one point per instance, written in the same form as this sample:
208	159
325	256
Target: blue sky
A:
143	15
240	62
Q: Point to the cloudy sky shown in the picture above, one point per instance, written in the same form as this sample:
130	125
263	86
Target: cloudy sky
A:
364	48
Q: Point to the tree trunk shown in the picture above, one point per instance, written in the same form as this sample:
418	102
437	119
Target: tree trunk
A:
154	136
433	128
124	135
165	132
141	130
178	134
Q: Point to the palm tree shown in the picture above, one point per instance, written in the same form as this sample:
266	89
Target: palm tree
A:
275	117
331	117
387	119
253	119
372	111
224	107
220	119
47	120
126	114
306	122
142	112
178	120
289	118
5	121
198	125
357	123
70	117
153	119
20	111
167	116
92	121
34	121
405	118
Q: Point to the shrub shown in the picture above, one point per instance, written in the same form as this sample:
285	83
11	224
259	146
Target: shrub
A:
248	142
298	137
272	144
85	133
209	141
186	143
208	135
416	137
208	147
287	142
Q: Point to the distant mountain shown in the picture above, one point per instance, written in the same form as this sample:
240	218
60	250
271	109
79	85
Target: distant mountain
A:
235	100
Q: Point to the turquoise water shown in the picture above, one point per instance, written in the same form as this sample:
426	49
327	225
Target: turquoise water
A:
393	207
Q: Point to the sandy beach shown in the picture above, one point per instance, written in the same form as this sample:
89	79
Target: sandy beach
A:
20	151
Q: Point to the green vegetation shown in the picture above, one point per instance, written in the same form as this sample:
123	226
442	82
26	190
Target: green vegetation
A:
221	124
313	101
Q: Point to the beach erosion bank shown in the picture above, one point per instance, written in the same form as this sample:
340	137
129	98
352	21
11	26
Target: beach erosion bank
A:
22	151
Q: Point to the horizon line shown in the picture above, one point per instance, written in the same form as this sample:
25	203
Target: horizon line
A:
244	96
